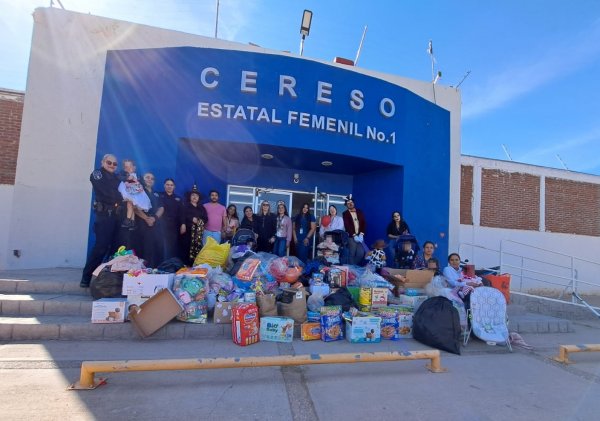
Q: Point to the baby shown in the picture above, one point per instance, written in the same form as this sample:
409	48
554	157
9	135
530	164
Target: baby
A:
133	193
406	256
376	256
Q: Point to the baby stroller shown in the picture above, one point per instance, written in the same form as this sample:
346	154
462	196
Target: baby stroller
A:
330	254
405	257
244	237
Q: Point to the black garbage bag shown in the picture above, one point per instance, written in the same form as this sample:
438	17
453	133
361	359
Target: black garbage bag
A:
107	284
341	297
436	324
171	265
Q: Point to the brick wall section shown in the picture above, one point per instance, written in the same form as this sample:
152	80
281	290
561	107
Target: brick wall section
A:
466	194
11	113
510	200
572	207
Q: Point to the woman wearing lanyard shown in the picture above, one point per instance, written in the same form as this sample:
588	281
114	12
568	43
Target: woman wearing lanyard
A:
304	229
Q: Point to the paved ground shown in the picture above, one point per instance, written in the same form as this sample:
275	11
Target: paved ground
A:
485	383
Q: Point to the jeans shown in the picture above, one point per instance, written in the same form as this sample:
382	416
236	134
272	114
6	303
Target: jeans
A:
356	252
390	253
302	251
280	246
214	234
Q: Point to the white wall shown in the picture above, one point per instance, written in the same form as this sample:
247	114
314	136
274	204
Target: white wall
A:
6	203
553	254
50	213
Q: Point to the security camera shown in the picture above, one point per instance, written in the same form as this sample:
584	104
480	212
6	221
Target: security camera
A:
296	178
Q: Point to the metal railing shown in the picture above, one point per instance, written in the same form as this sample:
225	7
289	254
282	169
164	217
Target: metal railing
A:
534	264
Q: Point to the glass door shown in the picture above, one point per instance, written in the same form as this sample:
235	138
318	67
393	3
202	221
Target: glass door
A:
275	196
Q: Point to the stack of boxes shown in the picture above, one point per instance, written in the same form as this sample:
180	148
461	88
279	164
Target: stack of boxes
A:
137	289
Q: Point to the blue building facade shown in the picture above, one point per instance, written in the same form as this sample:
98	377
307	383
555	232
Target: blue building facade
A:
209	116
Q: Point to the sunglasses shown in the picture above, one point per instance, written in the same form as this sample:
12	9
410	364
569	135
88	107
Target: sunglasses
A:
111	163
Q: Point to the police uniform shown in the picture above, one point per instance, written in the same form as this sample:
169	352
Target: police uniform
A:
107	206
148	243
171	220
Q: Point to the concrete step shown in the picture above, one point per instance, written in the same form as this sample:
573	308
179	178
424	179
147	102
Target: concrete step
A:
41	286
80	328
45	305
538	323
70	327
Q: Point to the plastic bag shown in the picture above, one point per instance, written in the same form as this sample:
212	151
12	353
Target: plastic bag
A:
192	291
369	279
217	280
107	284
213	254
436	323
285	269
315	302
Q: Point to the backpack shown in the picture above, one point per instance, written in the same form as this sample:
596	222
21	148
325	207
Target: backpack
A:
436	324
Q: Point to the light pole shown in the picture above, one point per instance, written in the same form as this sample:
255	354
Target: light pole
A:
305	28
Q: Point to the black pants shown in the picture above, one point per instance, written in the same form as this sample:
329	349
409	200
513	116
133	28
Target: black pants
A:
146	244
170	238
107	229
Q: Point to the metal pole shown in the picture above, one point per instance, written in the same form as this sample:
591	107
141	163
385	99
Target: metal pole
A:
217	19
90	368
302	44
360	46
573	280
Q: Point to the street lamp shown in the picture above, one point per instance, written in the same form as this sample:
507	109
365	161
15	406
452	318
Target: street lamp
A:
305	28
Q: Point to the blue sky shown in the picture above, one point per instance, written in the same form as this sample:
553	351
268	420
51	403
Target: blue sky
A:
534	84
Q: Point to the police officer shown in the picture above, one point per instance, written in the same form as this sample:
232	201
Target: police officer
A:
171	219
107	203
147	241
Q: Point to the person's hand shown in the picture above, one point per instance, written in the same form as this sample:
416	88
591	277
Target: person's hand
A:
272	240
150	221
473	284
195	220
182	229
306	241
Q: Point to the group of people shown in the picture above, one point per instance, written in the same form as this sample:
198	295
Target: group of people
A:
162	225
158	225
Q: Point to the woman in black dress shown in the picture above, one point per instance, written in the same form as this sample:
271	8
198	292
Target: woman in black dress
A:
192	228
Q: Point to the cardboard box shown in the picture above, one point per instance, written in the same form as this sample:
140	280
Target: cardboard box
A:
109	310
223	312
414	278
389	323
246	271
155	313
134	301
146	284
364	299
310	331
405	323
379	297
245	324
364	329
338	277
276	329
413	301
